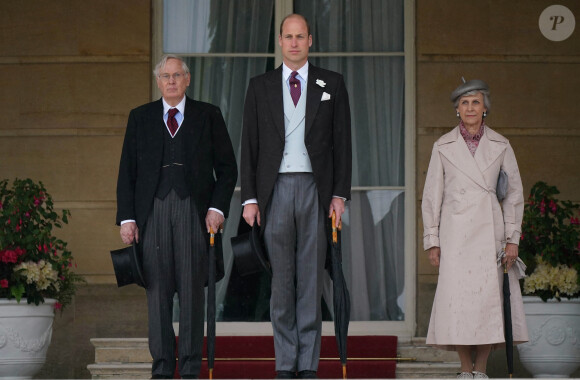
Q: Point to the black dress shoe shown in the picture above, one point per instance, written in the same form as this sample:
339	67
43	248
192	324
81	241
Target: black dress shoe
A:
307	375
285	375
158	376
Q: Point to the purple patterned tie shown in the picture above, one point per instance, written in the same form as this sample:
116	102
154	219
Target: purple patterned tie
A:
294	87
171	122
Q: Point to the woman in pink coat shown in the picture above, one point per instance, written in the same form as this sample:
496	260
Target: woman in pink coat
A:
465	226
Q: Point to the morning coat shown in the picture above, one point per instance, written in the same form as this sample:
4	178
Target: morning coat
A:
210	164
327	136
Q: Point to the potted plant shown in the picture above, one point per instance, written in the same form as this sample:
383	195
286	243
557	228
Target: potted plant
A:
36	274
550	247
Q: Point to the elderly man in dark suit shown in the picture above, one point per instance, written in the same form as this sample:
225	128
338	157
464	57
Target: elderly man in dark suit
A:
176	178
296	170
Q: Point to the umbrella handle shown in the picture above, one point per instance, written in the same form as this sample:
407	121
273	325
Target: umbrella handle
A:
212	234
334	229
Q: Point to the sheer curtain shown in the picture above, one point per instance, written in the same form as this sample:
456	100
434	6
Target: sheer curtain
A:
373	234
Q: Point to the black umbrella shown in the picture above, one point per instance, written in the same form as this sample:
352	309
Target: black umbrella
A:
507	317
211	304
341	297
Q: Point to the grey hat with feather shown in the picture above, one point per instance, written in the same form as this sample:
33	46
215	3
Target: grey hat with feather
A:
465	87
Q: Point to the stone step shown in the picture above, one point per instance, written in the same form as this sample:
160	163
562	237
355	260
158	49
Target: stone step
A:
429	362
427	370
120	358
120	370
121	350
418	349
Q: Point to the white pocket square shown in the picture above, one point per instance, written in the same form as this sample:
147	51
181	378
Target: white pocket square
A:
325	96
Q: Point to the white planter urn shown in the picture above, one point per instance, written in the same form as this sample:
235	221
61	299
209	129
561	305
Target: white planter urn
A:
554	330
25	333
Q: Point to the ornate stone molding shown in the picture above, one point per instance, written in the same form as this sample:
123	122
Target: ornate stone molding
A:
25	345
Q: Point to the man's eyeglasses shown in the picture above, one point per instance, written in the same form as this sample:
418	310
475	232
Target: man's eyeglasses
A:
176	76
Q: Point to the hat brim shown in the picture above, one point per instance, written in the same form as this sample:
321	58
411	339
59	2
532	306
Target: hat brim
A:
127	266
249	254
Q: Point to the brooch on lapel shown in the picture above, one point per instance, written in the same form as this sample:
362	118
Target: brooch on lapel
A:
321	83
325	96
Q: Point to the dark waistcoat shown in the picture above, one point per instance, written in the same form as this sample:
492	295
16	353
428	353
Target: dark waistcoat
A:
172	170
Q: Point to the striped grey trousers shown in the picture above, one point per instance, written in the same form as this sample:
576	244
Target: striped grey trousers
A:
295	238
175	260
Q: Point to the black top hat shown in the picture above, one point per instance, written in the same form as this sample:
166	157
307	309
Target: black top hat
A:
249	253
127	265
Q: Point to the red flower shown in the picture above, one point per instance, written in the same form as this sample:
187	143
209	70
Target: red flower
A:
553	206
574	221
58	306
10	256
3	283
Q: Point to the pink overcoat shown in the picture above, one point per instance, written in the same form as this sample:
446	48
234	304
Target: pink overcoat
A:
462	216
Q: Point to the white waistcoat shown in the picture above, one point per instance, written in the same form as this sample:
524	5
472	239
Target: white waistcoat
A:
295	158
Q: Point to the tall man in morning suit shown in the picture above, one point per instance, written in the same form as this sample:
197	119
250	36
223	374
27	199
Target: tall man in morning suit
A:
176	178
296	170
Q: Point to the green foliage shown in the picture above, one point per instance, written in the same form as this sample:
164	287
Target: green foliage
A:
551	237
34	264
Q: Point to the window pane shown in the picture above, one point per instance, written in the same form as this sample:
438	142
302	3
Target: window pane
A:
373	251
373	233
354	25
218	26
376	88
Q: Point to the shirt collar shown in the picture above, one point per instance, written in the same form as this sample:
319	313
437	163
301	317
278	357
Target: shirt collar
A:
467	136
303	72
180	107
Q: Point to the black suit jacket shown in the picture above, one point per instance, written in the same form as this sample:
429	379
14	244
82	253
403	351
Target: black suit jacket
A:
327	136
208	151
